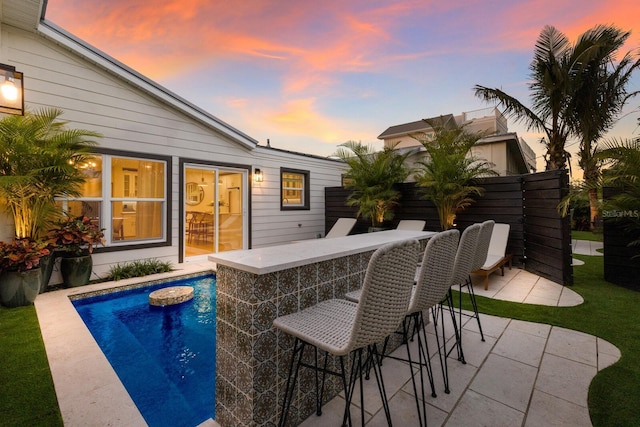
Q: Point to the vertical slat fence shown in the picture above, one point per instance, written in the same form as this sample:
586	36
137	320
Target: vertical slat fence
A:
539	238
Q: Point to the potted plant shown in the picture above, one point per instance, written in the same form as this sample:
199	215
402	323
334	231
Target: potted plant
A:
448	175
75	238
20	276
372	177
39	163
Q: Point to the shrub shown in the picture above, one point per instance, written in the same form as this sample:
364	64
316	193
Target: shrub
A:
138	268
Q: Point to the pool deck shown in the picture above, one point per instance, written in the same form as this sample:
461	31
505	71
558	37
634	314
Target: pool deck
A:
524	374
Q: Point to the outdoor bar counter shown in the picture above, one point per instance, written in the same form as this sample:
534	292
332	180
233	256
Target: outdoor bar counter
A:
257	285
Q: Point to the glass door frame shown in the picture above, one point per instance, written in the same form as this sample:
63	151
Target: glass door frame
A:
217	169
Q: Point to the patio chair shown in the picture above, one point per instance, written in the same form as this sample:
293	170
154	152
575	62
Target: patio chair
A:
496	258
432	285
342	227
480	257
411	224
340	327
461	269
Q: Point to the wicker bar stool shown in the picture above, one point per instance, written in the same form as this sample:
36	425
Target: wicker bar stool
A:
482	248
432	285
339	327
465	257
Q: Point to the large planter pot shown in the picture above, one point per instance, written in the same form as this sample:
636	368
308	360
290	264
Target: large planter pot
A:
19	288
76	271
46	269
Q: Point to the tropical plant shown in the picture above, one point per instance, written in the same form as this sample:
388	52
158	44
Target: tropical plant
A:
561	79
623	157
76	235
38	159
22	254
448	176
577	202
600	96
372	176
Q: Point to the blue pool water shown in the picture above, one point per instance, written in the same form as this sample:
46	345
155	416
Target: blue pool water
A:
164	356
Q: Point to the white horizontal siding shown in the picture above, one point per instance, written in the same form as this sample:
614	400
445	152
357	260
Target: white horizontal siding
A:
270	225
133	120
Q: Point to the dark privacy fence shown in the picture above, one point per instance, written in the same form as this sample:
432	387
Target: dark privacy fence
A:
621	261
539	239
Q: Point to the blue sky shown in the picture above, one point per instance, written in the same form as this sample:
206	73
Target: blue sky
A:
310	76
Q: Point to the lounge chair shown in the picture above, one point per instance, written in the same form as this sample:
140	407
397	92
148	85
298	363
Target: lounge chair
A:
411	224
342	227
496	257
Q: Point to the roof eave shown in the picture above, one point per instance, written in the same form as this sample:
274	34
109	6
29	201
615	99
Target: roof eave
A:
112	65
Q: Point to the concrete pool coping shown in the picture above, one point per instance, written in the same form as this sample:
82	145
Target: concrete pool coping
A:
88	389
90	393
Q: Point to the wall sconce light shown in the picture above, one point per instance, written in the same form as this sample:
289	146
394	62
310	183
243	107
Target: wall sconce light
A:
257	175
11	90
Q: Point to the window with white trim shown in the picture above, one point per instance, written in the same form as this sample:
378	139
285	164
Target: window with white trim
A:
295	189
126	195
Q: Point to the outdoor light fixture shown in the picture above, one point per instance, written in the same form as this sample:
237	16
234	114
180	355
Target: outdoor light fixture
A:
11	90
257	175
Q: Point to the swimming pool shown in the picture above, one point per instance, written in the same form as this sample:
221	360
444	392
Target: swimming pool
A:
164	356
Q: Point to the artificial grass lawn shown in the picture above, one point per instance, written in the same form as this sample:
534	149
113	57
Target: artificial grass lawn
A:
27	396
586	235
609	312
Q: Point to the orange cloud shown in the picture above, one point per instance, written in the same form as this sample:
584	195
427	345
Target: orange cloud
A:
299	117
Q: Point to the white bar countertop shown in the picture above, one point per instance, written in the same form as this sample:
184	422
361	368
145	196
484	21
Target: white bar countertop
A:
281	257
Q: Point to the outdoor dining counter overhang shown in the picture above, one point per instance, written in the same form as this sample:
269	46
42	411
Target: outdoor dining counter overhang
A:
275	258
255	286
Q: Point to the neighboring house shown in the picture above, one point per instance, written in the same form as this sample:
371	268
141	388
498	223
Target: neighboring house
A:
169	180
509	154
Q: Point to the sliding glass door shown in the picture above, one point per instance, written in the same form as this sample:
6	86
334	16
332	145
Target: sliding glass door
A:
214	210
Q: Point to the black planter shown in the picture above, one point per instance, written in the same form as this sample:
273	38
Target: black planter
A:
76	271
19	288
46	269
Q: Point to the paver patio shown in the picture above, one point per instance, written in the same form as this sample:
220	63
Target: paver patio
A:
525	373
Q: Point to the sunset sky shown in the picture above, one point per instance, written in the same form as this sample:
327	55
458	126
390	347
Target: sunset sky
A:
312	75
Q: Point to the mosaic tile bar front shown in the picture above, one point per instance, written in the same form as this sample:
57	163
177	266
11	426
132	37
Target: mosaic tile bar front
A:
252	357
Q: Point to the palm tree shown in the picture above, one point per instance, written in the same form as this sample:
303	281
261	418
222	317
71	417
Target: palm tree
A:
372	176
557	72
600	96
447	177
38	162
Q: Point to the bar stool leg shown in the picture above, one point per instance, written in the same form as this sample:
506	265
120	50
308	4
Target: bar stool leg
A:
298	348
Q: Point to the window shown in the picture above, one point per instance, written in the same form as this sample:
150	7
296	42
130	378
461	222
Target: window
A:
126	195
295	189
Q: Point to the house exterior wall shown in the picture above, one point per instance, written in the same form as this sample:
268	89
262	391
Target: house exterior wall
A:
404	141
495	153
133	120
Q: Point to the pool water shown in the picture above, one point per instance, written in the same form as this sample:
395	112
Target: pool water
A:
164	356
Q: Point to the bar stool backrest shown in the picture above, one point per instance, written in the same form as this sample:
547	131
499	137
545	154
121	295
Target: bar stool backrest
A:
465	256
434	276
386	291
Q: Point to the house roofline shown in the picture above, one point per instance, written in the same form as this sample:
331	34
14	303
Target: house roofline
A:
298	153
416	126
113	66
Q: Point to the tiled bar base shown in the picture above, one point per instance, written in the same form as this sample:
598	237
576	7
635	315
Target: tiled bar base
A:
253	357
